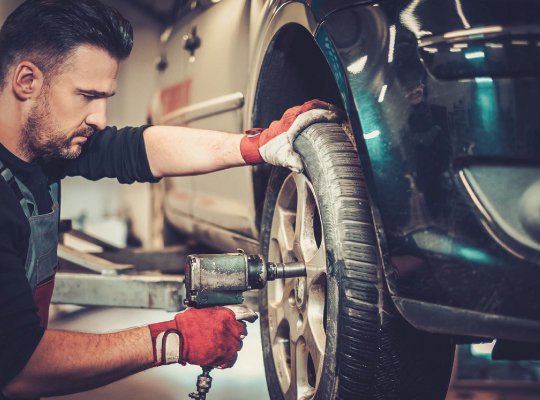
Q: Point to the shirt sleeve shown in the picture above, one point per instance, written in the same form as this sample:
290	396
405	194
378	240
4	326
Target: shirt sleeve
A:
110	153
20	332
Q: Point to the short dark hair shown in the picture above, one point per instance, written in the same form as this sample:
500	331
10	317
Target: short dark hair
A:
47	31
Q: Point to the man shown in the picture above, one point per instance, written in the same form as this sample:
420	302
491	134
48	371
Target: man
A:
58	65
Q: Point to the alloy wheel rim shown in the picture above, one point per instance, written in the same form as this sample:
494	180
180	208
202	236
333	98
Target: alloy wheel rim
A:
297	306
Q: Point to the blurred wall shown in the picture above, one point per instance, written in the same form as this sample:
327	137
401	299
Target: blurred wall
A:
107	199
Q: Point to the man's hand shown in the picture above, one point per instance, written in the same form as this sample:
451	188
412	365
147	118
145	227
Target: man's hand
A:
274	145
209	336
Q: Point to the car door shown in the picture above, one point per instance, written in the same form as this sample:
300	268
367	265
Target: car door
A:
206	81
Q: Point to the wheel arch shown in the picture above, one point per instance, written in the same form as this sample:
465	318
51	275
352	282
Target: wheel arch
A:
299	63
293	70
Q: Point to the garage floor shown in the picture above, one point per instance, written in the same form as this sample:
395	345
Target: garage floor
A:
245	381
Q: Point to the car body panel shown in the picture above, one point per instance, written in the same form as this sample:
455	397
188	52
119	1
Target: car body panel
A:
436	246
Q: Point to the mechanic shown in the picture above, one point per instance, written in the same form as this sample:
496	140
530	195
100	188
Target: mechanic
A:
58	66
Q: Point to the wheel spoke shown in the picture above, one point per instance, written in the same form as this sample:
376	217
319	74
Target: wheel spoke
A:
283	231
304	240
279	316
317	264
315	339
291	313
302	354
302	385
292	390
306	395
275	316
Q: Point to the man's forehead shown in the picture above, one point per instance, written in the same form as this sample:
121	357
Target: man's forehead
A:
91	68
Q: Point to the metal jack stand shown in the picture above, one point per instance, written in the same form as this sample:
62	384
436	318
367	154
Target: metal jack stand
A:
119	277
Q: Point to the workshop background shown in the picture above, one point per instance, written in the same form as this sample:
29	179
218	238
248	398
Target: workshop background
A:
108	210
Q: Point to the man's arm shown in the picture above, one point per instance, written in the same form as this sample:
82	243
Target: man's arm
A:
69	362
145	153
174	151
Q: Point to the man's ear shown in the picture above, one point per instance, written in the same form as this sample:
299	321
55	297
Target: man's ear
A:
27	80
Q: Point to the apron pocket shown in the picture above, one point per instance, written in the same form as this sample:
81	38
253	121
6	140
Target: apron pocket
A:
46	265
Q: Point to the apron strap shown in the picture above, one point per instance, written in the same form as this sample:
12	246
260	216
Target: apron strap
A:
10	180
54	189
27	202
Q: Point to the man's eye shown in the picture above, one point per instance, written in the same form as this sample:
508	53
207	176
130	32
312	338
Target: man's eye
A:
89	96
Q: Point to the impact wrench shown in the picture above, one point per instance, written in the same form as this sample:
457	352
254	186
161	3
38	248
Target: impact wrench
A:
221	279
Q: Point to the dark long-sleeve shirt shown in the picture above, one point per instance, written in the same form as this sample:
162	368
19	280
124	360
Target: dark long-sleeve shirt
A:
110	153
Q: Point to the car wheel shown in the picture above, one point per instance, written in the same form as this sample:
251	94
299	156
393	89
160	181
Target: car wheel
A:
335	334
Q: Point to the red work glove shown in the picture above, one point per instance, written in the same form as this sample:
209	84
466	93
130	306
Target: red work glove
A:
274	145
209	336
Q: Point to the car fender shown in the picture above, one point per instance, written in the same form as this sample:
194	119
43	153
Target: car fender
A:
301	14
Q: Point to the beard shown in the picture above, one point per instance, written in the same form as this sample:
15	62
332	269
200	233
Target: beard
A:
41	135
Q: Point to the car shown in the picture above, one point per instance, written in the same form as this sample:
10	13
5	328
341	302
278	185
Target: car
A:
418	218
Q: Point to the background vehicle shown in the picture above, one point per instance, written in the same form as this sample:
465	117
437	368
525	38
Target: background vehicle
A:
418	220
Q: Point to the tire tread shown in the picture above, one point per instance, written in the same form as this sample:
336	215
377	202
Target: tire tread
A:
359	311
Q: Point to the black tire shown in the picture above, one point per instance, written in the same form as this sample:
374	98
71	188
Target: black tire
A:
371	352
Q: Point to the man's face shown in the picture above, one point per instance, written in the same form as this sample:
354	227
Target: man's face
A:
71	105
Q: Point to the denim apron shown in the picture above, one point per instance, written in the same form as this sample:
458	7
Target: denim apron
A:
41	258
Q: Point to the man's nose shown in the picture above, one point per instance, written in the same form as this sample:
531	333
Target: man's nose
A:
98	117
